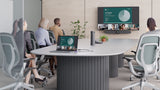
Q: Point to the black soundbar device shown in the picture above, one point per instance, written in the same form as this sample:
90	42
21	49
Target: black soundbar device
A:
98	42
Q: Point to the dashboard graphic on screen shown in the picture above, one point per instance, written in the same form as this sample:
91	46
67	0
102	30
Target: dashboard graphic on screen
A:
118	18
117	15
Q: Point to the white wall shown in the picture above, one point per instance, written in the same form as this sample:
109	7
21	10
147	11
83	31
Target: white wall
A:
71	10
6	16
67	10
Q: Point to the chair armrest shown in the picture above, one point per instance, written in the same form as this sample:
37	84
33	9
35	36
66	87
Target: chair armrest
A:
26	71
158	61
27	59
128	58
133	52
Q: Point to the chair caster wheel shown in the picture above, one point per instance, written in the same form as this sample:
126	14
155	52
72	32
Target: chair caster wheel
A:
44	83
131	88
158	77
39	72
131	79
50	75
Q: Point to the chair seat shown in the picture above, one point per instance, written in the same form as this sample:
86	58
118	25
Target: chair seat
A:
138	68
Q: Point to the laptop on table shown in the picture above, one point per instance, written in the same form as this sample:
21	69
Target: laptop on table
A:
67	43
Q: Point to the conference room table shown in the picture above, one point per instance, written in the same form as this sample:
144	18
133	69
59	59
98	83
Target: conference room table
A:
90	67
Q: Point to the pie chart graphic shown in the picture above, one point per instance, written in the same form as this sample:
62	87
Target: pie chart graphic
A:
124	15
70	41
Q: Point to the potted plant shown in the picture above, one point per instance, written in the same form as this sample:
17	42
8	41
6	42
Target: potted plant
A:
78	30
103	38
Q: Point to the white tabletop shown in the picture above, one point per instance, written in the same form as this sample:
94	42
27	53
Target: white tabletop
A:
111	47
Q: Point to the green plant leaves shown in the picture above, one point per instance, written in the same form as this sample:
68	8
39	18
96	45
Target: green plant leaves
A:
78	21
78	30
104	37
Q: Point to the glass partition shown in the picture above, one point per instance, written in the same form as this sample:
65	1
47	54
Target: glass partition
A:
11	11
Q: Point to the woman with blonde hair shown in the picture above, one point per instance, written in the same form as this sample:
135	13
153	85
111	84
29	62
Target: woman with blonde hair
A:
42	37
42	34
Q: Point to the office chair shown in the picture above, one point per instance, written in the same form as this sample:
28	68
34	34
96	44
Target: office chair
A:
11	66
51	37
63	32
138	67
147	56
41	60
15	27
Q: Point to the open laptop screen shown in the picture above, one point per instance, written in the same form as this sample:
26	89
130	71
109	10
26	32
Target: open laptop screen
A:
67	43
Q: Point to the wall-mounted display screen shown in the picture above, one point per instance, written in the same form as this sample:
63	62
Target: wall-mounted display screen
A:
118	18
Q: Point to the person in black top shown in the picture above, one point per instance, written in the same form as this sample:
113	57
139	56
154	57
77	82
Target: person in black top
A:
28	46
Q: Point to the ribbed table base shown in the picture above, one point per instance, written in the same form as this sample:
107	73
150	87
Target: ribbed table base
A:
113	66
83	73
115	62
120	60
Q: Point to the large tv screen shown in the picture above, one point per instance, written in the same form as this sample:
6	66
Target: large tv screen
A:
118	18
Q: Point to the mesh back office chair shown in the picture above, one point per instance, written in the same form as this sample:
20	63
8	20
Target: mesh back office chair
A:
41	59
51	37
33	40
1	54
11	61
147	56
138	67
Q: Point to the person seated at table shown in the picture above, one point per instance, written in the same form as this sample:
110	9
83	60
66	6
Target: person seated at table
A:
56	28
42	37
57	32
42	34
28	46
151	24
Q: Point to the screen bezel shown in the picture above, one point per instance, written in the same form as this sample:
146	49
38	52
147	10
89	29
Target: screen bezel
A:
134	17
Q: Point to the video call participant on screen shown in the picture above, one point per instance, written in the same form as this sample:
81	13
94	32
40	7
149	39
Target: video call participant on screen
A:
122	27
56	28
113	26
42	37
28	46
134	27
